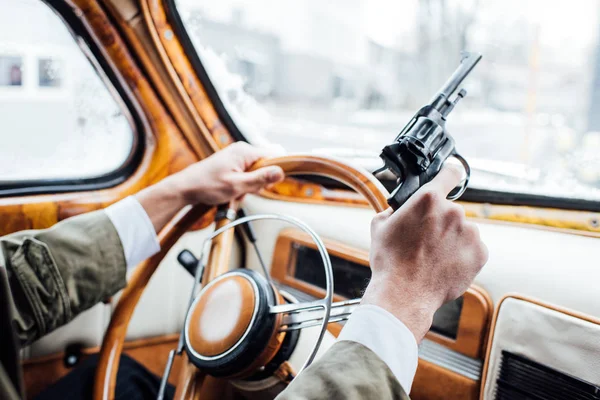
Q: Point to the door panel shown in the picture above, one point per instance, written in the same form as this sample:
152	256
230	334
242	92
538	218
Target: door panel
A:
535	344
87	330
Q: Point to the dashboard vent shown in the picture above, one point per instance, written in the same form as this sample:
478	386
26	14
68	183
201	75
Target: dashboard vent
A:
523	379
350	280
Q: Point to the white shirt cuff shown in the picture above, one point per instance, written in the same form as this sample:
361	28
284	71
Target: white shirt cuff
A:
387	337
135	230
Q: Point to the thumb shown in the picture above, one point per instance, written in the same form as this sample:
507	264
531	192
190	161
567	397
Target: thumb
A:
256	180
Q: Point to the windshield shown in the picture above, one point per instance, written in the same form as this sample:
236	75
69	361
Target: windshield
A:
343	77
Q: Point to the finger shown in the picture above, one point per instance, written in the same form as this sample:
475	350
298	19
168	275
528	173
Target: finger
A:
385	214
455	216
250	154
484	254
447	179
254	181
473	246
475	236
380	218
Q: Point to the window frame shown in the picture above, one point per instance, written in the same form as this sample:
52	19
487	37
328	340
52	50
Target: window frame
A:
110	79
472	195
188	47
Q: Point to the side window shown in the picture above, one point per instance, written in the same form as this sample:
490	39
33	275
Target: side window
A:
60	117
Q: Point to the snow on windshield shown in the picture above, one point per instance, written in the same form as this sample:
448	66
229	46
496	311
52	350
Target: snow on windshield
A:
343	77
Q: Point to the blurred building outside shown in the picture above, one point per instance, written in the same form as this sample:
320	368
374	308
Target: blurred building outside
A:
326	84
528	101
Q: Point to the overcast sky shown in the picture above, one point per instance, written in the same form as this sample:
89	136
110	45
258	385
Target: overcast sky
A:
561	23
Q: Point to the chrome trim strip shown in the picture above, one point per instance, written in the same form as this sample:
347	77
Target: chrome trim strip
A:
340	311
452	360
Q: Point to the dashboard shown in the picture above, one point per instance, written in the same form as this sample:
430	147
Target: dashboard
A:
455	345
502	332
351	279
473	350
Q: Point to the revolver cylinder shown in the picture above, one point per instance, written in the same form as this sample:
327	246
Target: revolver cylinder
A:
424	144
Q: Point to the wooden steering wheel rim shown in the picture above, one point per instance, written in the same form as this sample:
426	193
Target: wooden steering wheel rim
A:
112	346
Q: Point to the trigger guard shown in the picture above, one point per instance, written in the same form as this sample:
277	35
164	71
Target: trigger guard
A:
465	181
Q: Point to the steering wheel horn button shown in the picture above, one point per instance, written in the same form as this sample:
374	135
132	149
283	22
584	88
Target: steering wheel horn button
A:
229	331
222	315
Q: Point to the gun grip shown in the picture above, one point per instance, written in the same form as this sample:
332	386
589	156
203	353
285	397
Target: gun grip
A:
407	188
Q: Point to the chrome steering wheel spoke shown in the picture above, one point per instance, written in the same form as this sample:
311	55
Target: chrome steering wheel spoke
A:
308	314
321	308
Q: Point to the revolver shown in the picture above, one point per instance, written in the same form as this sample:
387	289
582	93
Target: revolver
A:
421	148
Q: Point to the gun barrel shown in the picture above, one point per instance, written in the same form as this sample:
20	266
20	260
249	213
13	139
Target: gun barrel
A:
467	63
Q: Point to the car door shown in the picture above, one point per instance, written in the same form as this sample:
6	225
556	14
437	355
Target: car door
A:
83	126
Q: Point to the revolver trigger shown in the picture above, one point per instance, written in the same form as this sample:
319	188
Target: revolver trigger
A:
380	169
465	181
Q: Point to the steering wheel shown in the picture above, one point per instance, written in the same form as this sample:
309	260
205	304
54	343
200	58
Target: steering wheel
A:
248	334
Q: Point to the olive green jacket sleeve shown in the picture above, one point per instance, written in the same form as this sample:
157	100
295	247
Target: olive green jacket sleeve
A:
56	273
348	370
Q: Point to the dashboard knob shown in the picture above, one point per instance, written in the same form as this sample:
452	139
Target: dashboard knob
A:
188	261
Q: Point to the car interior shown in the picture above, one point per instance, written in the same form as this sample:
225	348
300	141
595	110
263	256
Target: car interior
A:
102	98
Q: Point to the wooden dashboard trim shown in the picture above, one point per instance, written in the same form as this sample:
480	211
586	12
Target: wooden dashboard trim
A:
473	325
140	39
189	87
180	69
284	258
302	191
490	341
477	305
435	382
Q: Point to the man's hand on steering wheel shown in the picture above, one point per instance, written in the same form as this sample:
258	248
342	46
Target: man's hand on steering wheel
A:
218	179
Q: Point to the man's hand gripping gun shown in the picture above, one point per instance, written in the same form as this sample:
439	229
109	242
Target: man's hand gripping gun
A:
422	147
